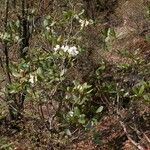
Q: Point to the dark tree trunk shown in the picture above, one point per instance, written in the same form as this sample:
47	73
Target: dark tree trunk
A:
16	105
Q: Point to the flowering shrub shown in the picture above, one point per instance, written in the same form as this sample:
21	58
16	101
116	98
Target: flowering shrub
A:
71	50
61	79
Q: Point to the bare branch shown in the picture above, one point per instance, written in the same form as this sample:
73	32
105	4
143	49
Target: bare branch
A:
129	138
5	44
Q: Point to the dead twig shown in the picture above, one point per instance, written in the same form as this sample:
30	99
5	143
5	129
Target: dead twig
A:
129	138
146	137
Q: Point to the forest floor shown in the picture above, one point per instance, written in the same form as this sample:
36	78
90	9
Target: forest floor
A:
109	134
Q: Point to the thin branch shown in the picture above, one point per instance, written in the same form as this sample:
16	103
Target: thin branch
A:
5	43
146	137
2	98
2	65
129	138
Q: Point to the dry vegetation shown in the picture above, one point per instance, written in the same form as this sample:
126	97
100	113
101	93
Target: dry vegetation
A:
115	60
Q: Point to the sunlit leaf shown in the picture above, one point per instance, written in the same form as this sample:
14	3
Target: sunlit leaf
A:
100	109
68	132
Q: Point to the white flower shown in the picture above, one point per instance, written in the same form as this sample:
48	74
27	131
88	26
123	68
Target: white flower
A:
85	23
65	48
56	48
17	38
48	28
32	79
73	51
63	72
70	113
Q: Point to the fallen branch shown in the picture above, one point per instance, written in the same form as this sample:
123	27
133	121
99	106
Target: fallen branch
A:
147	138
129	138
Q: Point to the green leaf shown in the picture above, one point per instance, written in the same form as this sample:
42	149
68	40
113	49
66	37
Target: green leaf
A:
100	109
68	14
46	23
146	97
67	131
16	74
105	32
39	71
14	88
141	89
88	92
147	37
82	119
6	146
76	111
111	32
82	101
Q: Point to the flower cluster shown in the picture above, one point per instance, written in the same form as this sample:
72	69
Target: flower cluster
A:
32	78
84	23
71	50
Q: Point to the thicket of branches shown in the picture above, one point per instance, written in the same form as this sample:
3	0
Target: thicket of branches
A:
67	65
